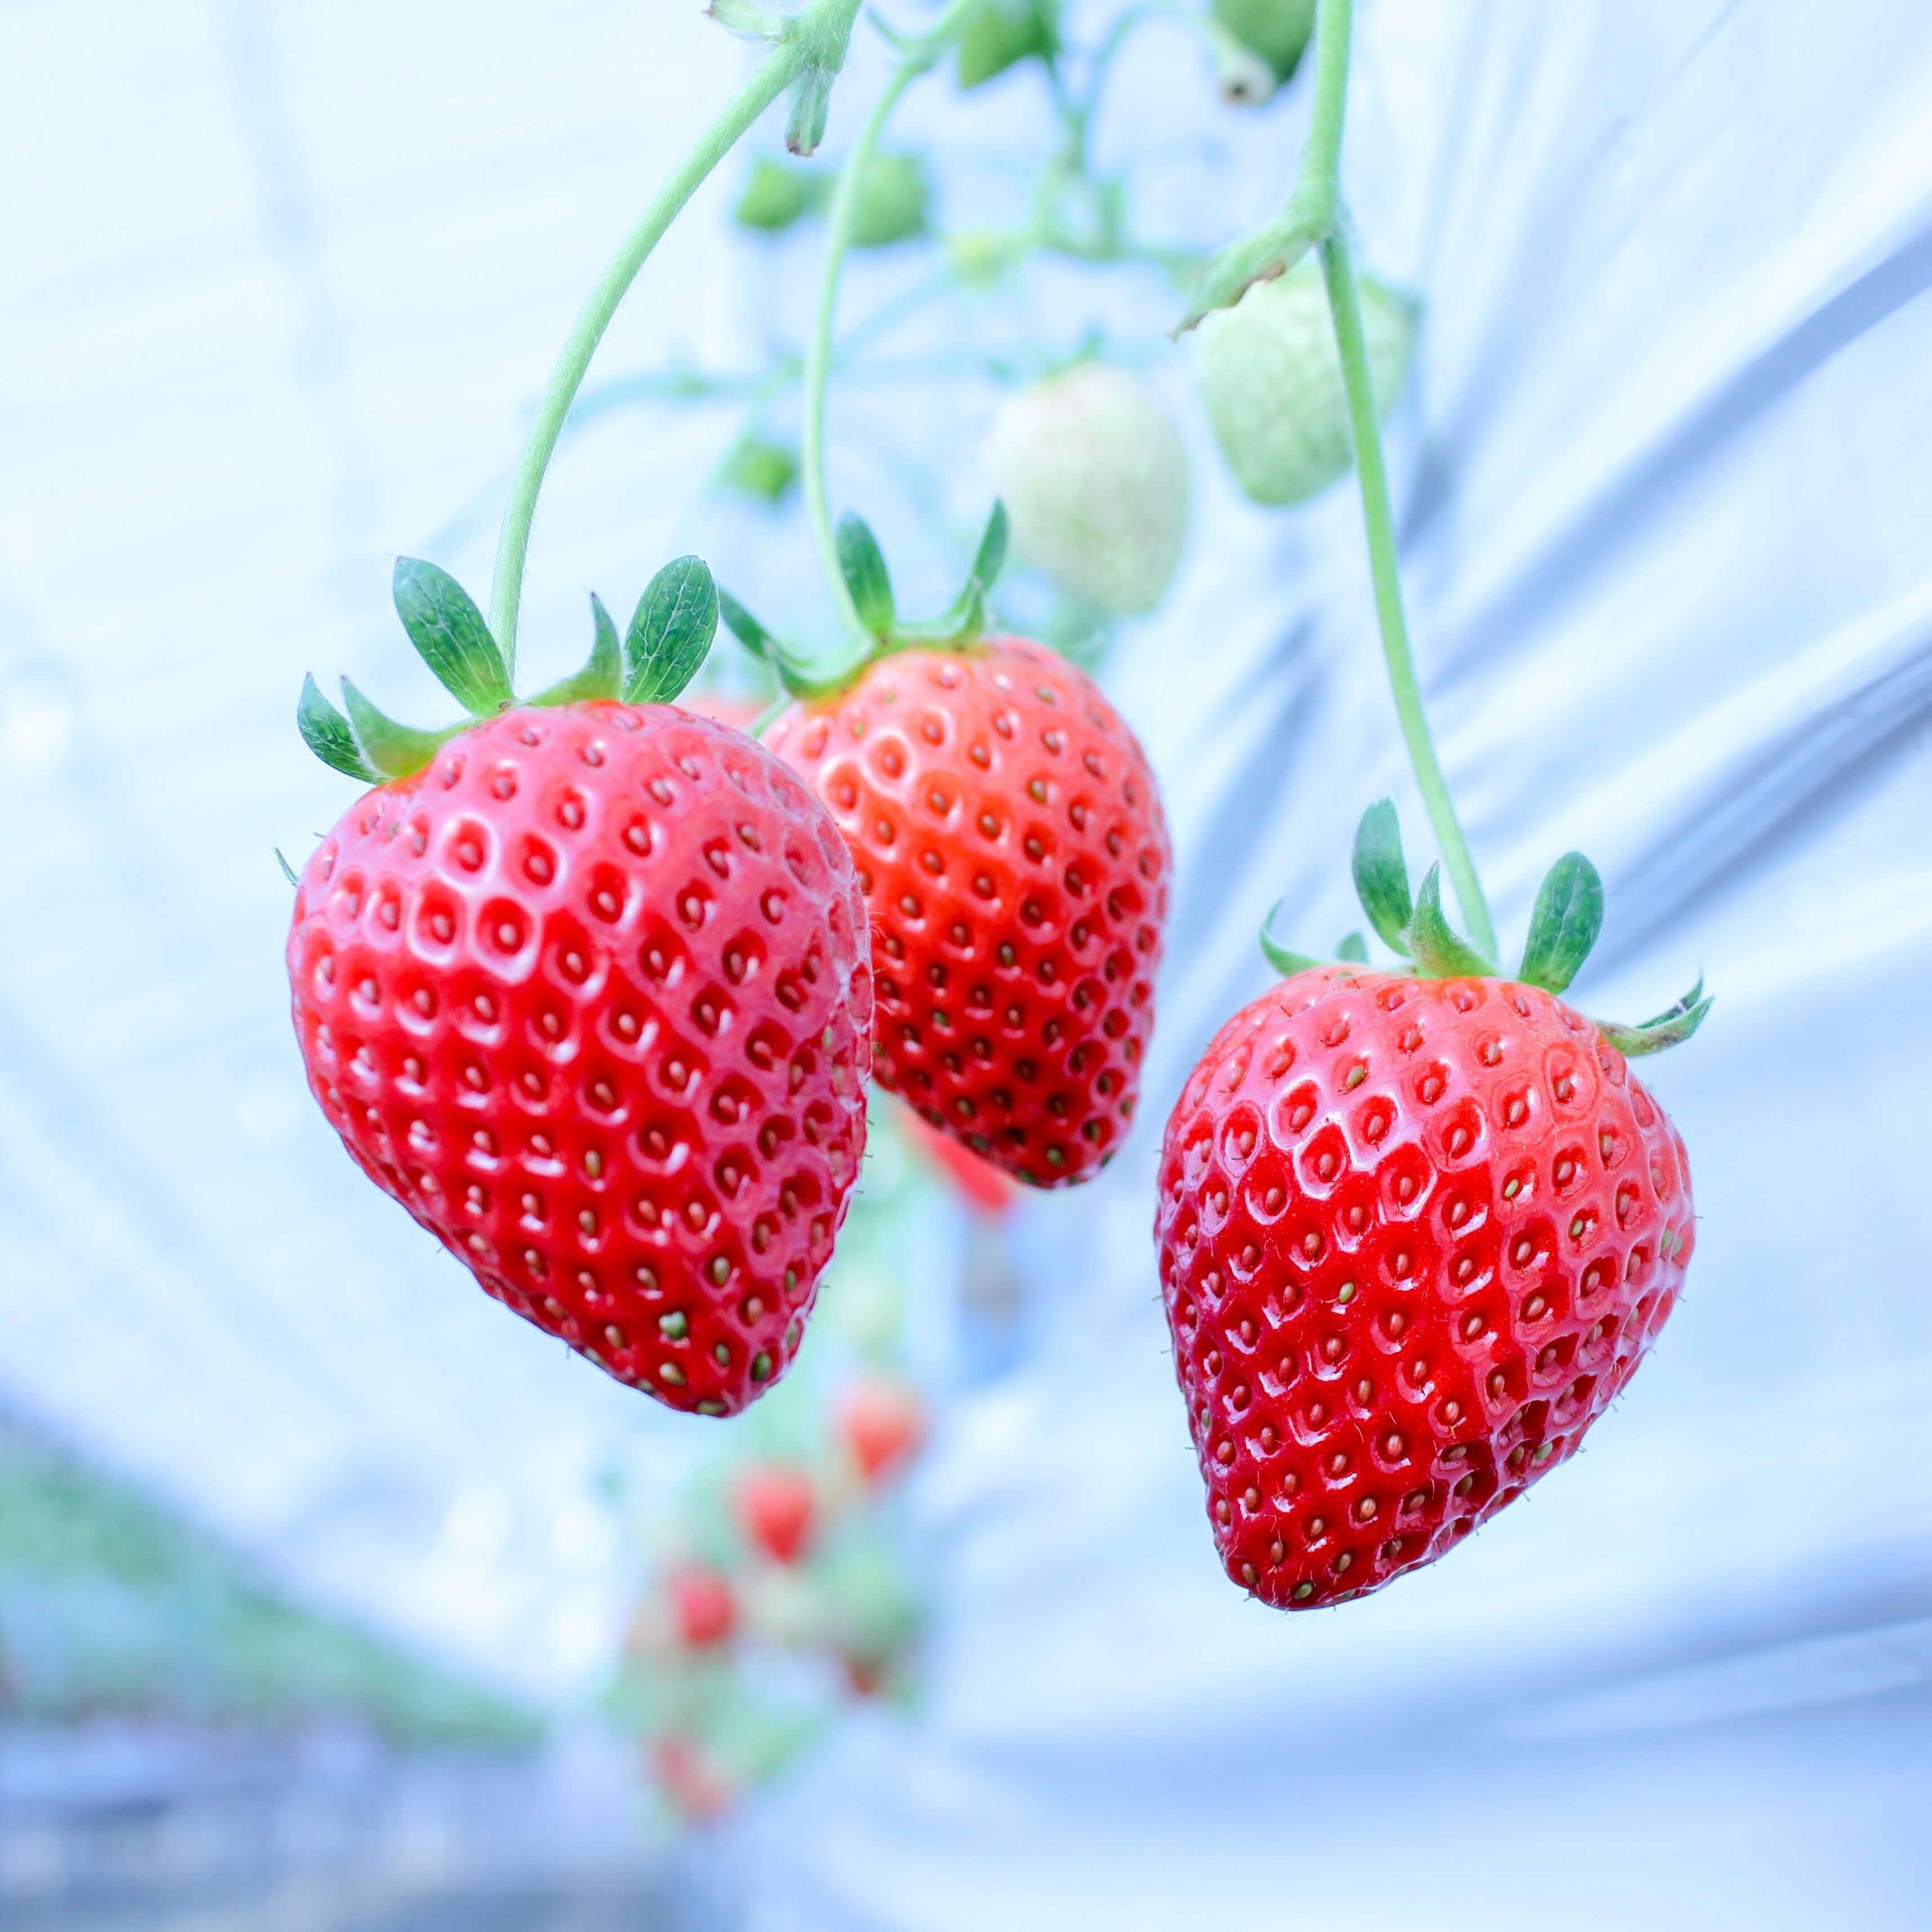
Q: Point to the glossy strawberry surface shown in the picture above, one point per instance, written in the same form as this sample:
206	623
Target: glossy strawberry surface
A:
1010	844
590	996
1415	1235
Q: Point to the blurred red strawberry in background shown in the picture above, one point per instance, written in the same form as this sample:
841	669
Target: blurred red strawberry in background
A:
979	1182
882	1421
778	1509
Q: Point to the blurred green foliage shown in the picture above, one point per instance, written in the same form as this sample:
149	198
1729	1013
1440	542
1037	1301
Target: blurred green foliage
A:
111	1605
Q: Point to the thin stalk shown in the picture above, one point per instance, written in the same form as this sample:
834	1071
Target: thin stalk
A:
841	218
770	78
1345	303
1319	184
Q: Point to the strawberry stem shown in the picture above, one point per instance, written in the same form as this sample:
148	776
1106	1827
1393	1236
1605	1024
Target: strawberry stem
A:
803	44
1317	194
841	219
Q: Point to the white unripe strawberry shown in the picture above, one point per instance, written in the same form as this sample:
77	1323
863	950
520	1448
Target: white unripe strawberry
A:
1271	380
1096	480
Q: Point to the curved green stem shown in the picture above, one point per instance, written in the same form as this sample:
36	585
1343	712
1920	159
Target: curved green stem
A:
1345	302
1319	184
841	218
1318	197
808	35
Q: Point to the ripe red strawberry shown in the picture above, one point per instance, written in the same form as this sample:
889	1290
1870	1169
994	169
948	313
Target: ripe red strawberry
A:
1415	1236
883	1423
778	1508
587	992
694	1785
1012	850
704	1612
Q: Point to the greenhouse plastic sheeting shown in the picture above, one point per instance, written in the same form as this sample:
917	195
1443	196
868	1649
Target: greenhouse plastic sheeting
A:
281	281
1666	511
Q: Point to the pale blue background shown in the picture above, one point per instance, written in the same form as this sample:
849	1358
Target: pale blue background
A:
280	281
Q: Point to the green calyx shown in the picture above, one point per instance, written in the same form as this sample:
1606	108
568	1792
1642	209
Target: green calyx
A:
862	566
1564	925
668	638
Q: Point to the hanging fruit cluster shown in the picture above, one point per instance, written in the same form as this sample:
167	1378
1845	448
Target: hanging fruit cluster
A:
595	986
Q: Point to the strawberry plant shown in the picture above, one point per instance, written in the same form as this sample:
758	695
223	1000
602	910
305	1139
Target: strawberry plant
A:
592	983
1419	1225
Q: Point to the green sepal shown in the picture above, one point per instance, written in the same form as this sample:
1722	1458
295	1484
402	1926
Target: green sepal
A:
602	676
1667	1029
1284	961
810	102
326	733
288	870
1568	917
1434	945
746	629
990	559
450	637
863	566
396	751
1259	257
748	21
1673	1012
1381	875
671	632
1353	949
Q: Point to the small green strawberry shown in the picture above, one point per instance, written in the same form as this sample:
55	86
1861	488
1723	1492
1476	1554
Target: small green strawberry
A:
776	194
894	194
999	33
1271	381
1279	30
1095	479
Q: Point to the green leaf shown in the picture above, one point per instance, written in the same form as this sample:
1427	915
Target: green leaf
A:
866	574
1672	1012
396	751
602	676
1285	962
775	196
1655	1035
999	33
326	733
1354	949
745	628
1382	873
676	619
1563	927
1435	947
450	637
